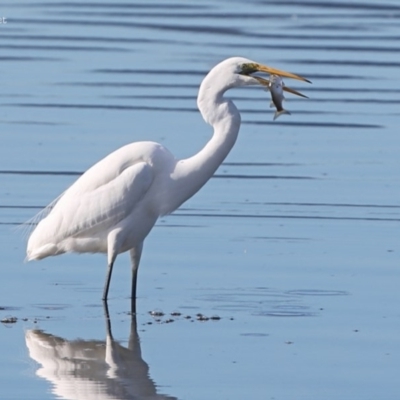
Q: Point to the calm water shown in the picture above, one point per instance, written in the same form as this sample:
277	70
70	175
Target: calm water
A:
294	244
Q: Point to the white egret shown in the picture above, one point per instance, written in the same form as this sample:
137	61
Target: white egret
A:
114	205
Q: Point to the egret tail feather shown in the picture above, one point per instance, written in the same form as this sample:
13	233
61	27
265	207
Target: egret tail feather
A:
47	250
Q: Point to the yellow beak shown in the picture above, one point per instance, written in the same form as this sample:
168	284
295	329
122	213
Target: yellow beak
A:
265	82
275	71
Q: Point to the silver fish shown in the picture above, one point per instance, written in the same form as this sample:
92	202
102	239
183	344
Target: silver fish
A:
276	88
269	85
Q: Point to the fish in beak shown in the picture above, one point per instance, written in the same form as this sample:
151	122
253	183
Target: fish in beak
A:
275	84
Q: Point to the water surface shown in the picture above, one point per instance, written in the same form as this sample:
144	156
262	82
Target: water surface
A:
293	243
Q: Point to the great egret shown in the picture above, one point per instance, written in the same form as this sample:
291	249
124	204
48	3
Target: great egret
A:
113	206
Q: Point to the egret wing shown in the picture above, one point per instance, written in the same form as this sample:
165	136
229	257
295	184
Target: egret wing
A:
94	212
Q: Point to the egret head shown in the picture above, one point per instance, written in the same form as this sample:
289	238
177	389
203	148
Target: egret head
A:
247	67
239	71
231	73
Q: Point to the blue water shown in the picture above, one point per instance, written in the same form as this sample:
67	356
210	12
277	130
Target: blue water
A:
293	243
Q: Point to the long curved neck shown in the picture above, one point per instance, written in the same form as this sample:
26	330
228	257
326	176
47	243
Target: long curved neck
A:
192	173
224	117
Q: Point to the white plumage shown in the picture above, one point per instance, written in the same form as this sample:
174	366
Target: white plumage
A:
113	206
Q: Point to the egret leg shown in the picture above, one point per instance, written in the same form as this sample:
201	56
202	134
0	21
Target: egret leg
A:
108	279
107	318
136	253
112	252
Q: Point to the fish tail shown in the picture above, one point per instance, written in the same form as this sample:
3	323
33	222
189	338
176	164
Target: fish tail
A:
278	113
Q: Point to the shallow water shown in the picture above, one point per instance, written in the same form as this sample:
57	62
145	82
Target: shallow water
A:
293	244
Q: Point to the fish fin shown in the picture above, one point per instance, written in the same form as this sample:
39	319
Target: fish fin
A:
271	104
278	113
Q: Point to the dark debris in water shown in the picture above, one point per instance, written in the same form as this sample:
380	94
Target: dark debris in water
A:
156	313
13	319
176	314
9	320
158	317
201	317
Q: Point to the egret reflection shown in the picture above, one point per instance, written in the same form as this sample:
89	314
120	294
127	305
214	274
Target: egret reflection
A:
93	369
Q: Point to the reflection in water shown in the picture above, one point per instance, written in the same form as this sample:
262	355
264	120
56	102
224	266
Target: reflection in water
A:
93	369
